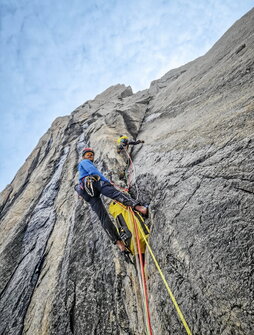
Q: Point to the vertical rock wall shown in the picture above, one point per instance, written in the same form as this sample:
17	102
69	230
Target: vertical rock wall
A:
59	274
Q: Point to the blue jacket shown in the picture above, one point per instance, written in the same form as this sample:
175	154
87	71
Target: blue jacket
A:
87	168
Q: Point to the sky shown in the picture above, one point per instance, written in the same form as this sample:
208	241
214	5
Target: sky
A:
55	55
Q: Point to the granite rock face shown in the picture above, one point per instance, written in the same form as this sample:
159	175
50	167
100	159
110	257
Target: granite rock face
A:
59	274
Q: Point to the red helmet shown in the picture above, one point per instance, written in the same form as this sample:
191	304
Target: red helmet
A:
85	150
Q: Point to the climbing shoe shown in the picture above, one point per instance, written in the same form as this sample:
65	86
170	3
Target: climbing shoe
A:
126	256
142	209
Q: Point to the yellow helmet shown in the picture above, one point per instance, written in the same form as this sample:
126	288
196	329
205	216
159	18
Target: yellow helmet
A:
122	138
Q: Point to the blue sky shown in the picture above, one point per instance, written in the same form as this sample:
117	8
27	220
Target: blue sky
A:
55	55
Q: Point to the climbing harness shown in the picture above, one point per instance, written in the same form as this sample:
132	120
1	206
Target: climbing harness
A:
88	184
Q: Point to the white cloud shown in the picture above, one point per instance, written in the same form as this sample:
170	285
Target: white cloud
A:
56	55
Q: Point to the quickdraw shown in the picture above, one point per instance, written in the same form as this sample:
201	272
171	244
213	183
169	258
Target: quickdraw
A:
88	184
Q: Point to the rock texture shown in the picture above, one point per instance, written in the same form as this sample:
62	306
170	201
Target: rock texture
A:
59	274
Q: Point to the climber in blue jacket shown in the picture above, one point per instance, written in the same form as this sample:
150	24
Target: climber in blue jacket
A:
87	168
92	184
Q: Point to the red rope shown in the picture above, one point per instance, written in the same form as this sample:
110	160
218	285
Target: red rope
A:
121	188
126	189
129	168
142	275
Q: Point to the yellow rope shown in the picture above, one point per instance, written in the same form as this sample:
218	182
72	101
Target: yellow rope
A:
139	271
143	282
166	284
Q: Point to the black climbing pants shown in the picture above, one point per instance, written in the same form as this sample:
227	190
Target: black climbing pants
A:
105	188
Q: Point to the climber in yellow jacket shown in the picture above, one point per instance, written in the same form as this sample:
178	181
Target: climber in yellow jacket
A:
123	143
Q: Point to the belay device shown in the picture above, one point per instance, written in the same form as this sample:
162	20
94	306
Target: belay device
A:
125	226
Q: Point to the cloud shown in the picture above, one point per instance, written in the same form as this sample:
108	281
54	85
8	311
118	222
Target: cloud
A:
56	55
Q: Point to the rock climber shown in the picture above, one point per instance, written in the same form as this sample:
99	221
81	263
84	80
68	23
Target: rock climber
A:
92	184
123	142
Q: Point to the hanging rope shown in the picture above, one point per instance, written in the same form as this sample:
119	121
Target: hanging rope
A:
141	263
131	173
139	277
173	299
138	228
127	170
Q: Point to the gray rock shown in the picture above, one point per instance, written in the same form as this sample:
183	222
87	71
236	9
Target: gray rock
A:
59	274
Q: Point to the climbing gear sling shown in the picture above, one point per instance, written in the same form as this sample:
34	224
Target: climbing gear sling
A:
87	183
